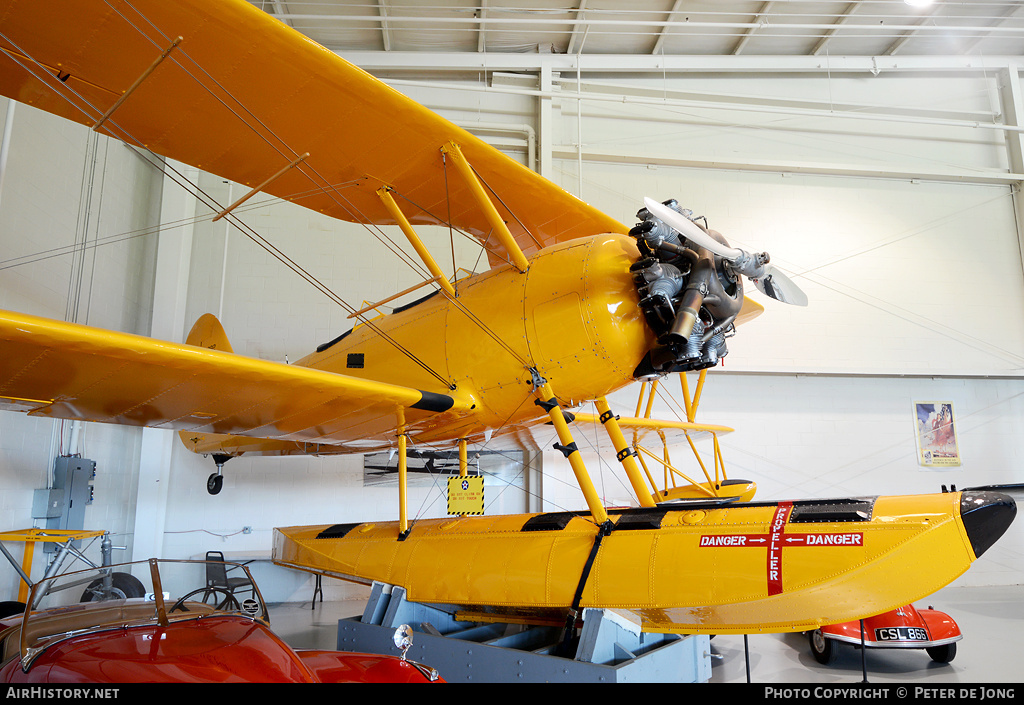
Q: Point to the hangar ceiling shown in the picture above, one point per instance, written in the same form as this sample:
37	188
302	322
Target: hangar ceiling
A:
669	27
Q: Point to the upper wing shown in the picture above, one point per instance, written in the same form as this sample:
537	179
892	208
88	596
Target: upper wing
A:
65	370
243	96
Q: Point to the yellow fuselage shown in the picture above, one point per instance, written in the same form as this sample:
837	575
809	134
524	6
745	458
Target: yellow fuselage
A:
573	316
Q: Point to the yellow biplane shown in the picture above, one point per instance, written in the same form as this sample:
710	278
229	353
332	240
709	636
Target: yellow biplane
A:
574	307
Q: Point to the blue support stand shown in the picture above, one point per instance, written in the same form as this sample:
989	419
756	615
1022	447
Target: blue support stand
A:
611	649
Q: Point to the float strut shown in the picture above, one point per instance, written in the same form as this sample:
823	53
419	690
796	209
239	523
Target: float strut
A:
546	400
625	454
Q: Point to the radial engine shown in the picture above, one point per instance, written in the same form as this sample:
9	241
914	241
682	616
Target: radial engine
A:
689	295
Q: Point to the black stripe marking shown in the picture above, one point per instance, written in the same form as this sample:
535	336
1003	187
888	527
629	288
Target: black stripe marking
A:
643	518
417	302
829	510
429	401
324	346
338	531
554	521
648	518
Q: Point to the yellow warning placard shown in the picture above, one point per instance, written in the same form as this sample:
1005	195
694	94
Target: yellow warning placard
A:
466	495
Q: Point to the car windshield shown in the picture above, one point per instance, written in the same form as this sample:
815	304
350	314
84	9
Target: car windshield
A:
156	592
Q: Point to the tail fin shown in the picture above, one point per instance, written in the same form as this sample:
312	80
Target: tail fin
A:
209	333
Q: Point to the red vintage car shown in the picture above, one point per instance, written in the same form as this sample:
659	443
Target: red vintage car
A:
903	628
128	628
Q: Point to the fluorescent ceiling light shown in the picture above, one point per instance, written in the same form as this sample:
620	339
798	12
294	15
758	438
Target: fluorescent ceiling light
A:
919	3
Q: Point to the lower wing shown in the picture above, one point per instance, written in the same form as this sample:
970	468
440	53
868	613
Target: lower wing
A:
69	371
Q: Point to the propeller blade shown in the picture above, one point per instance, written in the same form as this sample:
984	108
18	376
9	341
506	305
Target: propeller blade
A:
690	230
768	280
778	286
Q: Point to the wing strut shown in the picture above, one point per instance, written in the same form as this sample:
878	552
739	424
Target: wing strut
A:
501	230
719	486
371	307
385	196
138	82
700	488
295	162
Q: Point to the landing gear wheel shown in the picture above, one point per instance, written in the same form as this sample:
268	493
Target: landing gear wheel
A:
122	586
229	602
214	483
11	608
942	654
823	649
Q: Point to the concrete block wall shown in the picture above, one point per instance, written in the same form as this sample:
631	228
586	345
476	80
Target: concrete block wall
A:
74	212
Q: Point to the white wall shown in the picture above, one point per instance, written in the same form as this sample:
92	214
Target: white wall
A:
64	191
916	294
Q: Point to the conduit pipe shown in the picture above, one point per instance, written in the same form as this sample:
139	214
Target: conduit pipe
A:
5	143
669	103
522	128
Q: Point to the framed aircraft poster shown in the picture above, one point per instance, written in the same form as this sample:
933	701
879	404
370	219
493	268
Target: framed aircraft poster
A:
936	434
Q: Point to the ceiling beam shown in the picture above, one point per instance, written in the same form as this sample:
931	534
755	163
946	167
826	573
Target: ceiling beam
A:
900	24
279	12
385	29
887	171
1014	12
481	39
625	92
725	102
761	15
577	35
907	36
669	63
659	46
822	46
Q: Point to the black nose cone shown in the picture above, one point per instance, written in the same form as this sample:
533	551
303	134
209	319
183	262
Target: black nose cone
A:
986	516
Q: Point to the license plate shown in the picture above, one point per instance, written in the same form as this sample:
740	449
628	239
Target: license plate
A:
901	634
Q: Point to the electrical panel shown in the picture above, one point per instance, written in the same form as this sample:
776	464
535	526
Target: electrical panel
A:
63	505
47	504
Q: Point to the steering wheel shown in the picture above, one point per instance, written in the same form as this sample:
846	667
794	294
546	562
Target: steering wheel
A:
229	600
